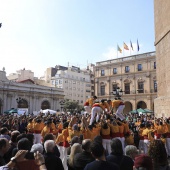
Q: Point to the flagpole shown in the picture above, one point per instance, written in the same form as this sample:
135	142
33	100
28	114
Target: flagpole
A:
130	48
123	50
117	51
137	47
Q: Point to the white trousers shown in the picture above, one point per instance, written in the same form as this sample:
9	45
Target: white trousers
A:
60	148
64	160
87	109
106	145
120	111
168	146
94	111
141	145
146	146
37	138
122	139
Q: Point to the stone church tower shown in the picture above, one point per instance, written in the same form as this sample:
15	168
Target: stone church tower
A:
162	44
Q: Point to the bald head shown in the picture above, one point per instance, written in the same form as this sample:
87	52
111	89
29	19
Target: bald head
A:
86	144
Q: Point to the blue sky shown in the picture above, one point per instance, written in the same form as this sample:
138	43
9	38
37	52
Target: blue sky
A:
37	34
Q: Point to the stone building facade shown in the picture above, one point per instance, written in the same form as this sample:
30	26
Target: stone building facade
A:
162	43
26	94
78	84
135	75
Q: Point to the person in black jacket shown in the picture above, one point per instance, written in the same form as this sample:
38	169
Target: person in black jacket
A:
117	157
82	159
100	163
52	162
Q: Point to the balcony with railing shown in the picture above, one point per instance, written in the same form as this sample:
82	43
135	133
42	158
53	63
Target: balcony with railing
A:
133	57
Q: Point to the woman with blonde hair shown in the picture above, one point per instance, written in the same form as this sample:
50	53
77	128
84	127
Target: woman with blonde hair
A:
76	148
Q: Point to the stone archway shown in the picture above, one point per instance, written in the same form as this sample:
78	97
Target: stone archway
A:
45	105
128	107
22	103
142	105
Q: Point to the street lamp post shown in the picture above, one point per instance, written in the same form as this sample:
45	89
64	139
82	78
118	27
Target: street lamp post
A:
19	100
117	92
62	102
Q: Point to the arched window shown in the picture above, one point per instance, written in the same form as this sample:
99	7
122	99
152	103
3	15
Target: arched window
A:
142	105
128	107
45	105
22	103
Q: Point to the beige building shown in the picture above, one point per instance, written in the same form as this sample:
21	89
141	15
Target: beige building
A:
162	43
135	75
76	83
21	75
26	94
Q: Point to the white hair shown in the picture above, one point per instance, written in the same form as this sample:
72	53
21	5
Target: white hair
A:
49	146
130	149
37	147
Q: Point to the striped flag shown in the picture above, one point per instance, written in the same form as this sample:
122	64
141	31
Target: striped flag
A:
138	45
119	49
125	46
131	45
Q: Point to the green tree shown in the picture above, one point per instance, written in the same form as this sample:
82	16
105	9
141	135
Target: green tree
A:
72	106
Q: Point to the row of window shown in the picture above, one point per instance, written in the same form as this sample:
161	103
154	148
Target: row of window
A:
127	88
71	76
75	95
127	69
57	82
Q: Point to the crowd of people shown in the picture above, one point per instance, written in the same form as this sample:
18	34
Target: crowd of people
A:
101	138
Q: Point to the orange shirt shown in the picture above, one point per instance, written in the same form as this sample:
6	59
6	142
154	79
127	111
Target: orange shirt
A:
73	133
115	103
59	139
167	128
38	126
147	132
87	134
160	129
105	131
46	130
114	128
65	134
129	140
89	102
122	129
30	127
126	127
96	131
141	131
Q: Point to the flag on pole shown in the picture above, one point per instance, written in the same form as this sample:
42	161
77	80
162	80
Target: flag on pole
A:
131	45
0	25
125	46
138	45
119	49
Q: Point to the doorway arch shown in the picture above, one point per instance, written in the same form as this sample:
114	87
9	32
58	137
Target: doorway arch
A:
142	105
45	105
22	103
128	107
